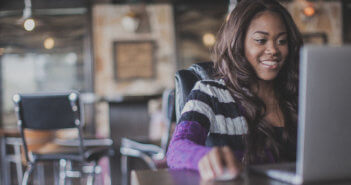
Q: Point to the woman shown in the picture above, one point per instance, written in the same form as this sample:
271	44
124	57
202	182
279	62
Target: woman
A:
249	114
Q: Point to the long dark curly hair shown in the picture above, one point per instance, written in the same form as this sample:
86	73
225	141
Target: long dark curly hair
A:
232	66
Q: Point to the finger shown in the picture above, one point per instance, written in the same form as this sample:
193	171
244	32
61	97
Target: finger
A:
216	161
209	167
205	169
230	160
201	169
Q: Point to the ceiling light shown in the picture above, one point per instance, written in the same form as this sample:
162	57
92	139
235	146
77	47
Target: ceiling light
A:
130	22
309	11
29	24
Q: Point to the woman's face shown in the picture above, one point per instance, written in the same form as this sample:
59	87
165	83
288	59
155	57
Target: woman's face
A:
266	44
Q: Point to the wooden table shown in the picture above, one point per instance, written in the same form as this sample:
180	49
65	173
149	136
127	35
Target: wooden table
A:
186	177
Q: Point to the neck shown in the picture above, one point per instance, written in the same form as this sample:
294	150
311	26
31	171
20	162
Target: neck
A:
265	91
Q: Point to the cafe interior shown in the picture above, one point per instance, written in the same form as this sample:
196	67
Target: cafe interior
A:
113	70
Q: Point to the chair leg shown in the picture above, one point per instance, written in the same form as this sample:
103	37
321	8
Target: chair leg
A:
18	159
62	172
67	174
91	177
124	169
56	172
4	163
40	173
28	172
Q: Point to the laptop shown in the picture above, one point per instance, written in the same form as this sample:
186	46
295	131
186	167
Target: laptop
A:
324	119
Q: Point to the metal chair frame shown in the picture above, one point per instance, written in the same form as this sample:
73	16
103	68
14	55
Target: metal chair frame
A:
149	153
65	171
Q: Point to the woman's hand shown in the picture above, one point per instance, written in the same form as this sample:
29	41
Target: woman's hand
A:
215	162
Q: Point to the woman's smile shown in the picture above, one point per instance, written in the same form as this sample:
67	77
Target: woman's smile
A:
269	63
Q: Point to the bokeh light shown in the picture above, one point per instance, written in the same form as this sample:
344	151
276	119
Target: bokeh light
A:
29	24
208	39
49	43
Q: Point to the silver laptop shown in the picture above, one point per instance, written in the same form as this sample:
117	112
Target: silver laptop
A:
324	119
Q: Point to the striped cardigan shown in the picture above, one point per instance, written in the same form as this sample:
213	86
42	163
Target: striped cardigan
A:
210	117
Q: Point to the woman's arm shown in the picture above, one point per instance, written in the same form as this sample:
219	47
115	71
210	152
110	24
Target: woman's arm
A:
187	151
187	148
187	145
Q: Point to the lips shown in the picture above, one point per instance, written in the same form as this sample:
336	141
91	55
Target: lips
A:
270	64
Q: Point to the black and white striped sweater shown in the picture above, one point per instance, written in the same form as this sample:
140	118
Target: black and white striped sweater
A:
211	117
211	104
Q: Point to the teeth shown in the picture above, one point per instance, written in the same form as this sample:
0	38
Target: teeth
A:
270	63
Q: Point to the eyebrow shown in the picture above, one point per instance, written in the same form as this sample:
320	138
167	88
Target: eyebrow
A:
266	33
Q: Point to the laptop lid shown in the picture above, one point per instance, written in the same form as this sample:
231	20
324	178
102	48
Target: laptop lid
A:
324	118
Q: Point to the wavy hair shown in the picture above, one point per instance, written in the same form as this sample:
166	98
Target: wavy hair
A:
232	66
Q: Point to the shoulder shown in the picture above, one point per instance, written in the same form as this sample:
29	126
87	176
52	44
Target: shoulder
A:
213	84
211	104
212	89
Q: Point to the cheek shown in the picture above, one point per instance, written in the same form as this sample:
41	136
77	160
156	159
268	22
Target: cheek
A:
250	57
284	51
251	53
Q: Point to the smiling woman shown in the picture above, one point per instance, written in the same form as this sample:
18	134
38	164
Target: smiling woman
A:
248	115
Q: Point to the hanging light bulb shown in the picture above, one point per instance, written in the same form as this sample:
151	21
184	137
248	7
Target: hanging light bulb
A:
29	24
27	19
130	21
309	11
49	43
208	39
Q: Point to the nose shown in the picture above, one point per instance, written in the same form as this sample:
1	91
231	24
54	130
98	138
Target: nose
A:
272	49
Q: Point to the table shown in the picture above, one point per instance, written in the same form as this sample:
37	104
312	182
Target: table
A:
187	177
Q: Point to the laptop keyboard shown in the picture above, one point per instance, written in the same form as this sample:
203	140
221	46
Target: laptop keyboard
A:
290	167
286	167
281	171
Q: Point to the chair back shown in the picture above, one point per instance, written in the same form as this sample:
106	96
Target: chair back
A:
186	79
48	111
168	106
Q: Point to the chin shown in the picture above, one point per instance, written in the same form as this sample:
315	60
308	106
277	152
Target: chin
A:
267	77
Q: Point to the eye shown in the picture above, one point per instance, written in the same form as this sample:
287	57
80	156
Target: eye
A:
282	41
261	41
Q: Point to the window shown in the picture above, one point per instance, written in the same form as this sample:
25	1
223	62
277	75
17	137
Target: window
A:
52	57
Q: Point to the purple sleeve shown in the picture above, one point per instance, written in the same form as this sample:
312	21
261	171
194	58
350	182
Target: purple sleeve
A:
187	146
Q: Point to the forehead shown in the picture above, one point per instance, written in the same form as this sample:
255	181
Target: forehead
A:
267	21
